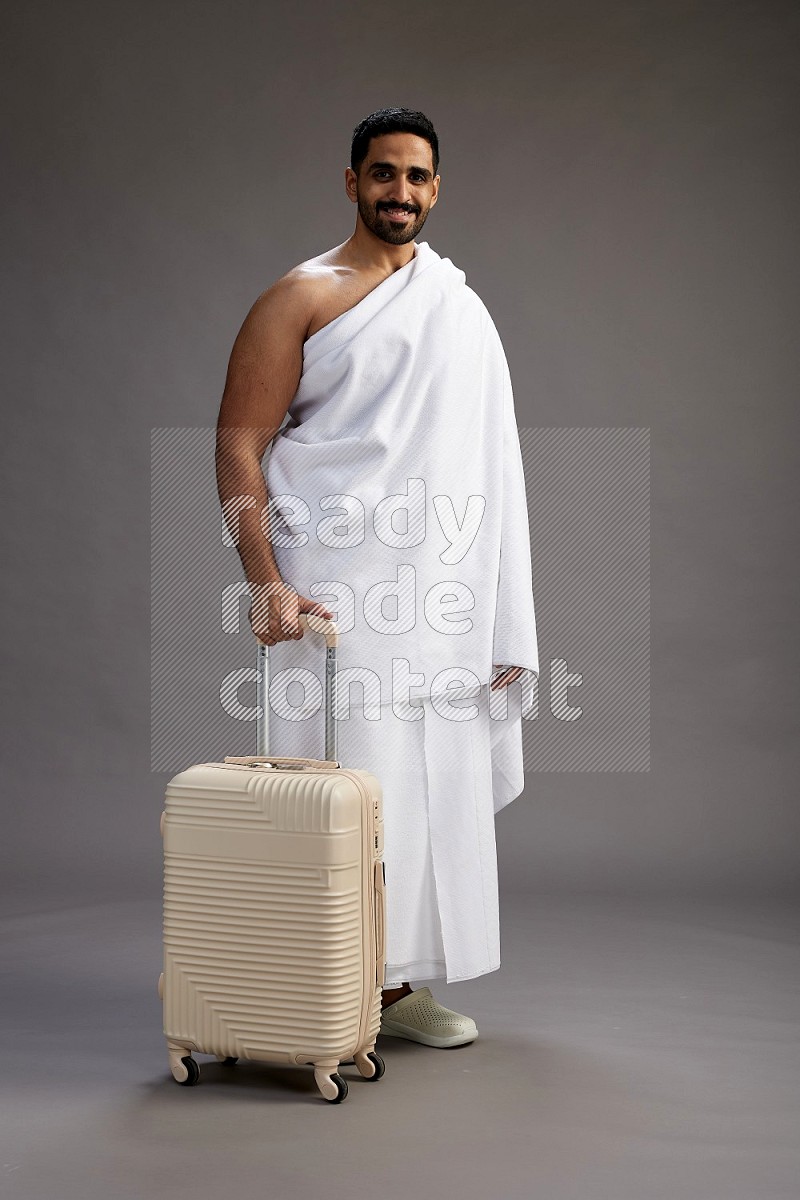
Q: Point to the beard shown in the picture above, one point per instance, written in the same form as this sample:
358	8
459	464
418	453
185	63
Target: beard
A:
379	224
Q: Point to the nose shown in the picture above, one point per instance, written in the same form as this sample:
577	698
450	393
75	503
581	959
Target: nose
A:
401	192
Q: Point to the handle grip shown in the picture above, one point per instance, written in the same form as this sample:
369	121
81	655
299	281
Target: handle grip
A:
319	624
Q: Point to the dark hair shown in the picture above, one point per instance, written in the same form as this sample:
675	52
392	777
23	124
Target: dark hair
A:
392	120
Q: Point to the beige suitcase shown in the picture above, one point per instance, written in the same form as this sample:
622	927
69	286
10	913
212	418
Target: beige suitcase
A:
274	912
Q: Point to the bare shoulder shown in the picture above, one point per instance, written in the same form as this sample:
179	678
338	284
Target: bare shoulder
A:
293	302
329	285
314	280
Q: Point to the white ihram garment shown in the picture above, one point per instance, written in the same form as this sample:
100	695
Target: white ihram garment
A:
442	784
403	429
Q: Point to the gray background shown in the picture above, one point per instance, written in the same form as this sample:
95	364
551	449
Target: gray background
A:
619	183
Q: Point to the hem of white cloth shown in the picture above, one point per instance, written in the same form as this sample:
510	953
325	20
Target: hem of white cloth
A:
429	970
501	798
421	969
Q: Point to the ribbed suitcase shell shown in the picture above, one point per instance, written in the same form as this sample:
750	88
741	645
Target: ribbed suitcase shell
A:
274	916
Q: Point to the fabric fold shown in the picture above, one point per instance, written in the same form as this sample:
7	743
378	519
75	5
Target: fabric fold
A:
398	495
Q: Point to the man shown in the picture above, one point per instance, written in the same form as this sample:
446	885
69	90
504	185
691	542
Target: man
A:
379	380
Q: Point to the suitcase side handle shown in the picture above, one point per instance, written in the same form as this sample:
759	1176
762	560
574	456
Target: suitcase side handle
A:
323	625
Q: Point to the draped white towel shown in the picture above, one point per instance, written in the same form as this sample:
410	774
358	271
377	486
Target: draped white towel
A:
408	395
405	402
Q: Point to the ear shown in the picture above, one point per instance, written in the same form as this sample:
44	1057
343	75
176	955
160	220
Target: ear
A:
435	195
350	181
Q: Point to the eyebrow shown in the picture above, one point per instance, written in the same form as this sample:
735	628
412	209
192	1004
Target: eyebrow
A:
392	167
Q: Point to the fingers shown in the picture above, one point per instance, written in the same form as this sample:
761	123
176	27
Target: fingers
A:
306	608
505	677
321	611
278	621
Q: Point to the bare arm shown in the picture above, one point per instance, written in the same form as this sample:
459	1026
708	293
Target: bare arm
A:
263	374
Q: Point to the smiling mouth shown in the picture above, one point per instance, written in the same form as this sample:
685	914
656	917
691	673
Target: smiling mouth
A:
397	214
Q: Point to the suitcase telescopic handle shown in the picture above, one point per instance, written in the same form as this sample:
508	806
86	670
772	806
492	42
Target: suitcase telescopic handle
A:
323	625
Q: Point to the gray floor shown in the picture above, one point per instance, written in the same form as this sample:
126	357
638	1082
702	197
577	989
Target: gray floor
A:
627	1048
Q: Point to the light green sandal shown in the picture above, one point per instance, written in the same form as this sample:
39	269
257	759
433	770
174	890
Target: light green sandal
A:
420	1018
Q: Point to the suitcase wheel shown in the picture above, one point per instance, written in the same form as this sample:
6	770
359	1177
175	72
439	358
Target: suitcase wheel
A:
333	1086
341	1085
380	1065
186	1071
227	1060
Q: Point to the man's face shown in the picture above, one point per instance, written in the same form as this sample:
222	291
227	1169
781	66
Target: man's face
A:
395	188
